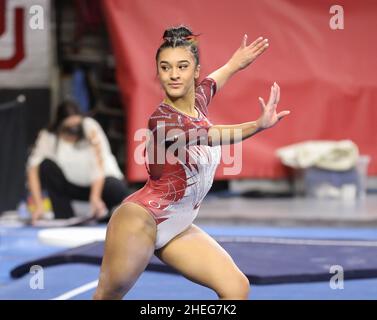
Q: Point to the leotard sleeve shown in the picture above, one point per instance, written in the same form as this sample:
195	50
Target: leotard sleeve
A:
204	93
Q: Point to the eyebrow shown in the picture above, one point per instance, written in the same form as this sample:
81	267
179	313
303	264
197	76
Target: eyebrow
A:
178	61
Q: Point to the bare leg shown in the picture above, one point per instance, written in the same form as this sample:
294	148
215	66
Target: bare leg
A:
201	259
129	245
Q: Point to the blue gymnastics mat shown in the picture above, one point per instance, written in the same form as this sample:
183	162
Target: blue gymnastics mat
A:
264	260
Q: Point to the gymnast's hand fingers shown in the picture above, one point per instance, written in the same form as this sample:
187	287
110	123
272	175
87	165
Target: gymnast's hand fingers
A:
244	41
272	98
277	93
282	114
255	43
262	104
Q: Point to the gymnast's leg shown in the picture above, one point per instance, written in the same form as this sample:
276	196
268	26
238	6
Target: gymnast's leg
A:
201	259
130	243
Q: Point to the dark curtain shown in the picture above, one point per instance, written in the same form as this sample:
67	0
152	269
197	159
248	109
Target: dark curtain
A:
19	125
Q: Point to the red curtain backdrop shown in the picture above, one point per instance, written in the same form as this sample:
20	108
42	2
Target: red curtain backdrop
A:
327	77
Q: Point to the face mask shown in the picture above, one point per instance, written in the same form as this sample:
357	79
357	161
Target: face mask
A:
76	131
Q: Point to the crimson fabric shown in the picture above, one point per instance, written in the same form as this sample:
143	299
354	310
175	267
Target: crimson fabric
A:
327	77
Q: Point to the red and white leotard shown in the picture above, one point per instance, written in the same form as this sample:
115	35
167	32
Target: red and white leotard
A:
174	191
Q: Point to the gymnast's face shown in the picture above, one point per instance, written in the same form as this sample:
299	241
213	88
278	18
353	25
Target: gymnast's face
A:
177	71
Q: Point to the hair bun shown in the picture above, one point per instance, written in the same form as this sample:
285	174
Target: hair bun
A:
179	33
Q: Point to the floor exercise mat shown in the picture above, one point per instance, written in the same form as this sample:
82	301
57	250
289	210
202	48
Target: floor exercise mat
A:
263	260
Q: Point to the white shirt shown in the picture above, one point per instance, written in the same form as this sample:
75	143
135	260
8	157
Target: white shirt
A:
81	163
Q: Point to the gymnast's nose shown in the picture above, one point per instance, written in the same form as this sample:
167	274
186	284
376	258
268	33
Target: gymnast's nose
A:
174	73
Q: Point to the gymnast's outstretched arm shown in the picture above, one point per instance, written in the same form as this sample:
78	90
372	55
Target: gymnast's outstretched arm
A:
230	134
242	58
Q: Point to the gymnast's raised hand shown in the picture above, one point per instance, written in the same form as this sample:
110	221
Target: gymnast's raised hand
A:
246	54
243	57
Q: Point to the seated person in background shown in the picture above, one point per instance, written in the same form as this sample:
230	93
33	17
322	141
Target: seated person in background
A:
72	160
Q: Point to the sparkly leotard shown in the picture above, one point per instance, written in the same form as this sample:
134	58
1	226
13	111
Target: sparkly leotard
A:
174	191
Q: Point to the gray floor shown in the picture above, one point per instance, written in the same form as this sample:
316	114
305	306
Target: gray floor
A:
290	211
224	207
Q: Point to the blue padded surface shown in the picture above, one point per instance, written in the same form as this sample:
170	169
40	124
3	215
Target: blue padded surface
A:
262	262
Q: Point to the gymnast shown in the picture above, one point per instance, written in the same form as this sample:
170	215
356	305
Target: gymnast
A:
158	218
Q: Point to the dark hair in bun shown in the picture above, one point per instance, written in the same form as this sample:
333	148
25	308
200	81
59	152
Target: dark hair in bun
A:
180	36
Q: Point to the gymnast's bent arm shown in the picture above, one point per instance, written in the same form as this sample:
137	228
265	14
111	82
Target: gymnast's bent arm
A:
242	58
230	134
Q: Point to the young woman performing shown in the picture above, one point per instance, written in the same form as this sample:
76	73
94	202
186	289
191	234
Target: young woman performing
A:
158	219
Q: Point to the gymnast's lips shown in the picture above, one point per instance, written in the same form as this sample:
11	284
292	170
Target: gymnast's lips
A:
174	85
